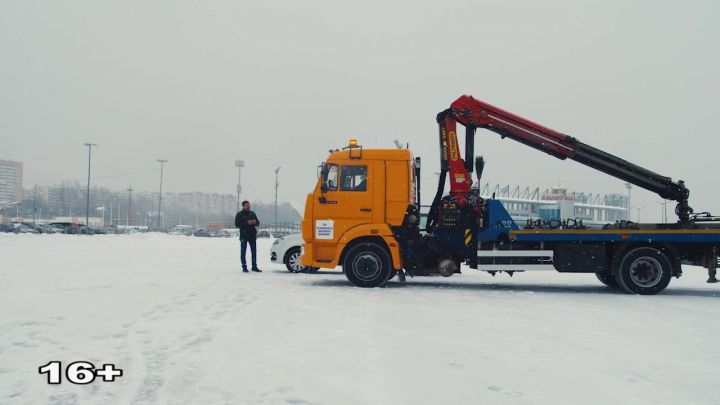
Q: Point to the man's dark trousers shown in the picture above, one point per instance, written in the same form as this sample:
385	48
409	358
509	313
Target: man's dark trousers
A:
253	252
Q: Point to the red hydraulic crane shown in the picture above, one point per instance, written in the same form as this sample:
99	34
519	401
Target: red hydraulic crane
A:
473	114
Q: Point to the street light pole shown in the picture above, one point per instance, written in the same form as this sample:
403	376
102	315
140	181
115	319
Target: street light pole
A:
162	164
638	210
629	187
277	170
663	213
87	200
34	203
239	164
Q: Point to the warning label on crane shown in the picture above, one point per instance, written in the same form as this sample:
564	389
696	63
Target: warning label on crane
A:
324	229
452	145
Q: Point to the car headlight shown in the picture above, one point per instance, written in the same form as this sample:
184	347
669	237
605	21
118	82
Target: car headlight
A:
276	242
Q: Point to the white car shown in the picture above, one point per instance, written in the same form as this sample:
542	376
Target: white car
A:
286	250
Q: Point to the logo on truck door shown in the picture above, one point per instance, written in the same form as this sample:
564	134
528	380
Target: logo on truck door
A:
324	229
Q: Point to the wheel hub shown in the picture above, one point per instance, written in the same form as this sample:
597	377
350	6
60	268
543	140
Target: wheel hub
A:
294	261
646	271
367	266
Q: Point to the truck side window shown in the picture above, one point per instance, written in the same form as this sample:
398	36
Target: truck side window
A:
332	177
353	178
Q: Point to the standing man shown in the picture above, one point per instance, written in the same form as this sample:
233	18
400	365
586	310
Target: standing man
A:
246	220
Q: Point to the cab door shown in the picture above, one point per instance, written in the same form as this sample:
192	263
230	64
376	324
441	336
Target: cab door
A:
347	203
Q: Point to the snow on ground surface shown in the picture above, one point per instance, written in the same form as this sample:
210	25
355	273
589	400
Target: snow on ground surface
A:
188	327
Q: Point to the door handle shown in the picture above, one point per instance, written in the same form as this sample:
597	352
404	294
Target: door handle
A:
365	209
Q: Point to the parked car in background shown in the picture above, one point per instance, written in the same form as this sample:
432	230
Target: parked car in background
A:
60	227
287	250
47	229
202	233
5	228
81	229
39	228
22	228
280	234
74	229
222	233
30	227
186	230
263	234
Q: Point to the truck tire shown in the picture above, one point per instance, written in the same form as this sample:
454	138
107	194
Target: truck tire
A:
367	265
292	261
643	270
607	278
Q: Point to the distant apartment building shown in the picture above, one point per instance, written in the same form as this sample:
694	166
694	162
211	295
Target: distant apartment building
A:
11	181
205	202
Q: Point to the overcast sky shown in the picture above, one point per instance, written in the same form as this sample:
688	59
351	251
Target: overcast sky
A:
203	83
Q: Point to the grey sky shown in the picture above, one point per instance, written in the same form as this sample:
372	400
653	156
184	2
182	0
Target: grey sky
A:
202	83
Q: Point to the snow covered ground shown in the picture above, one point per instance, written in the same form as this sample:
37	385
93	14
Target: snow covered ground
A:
187	327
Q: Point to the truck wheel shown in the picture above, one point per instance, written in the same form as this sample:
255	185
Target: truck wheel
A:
644	271
607	278
367	265
292	260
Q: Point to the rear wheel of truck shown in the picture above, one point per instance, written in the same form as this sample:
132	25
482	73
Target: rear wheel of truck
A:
643	270
367	265
607	278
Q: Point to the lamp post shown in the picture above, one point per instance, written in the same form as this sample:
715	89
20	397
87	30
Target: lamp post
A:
638	212
663	214
162	164
87	200
629	187
102	218
34	202
239	164
277	170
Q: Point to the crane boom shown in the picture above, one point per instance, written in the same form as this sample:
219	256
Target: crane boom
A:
473	114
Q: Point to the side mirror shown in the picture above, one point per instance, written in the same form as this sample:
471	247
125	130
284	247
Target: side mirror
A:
323	186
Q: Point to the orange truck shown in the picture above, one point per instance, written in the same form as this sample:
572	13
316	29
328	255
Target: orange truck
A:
364	215
348	219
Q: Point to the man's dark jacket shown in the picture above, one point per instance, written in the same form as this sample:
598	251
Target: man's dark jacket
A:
247	231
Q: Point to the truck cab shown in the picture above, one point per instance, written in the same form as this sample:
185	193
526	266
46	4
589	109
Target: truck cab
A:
360	195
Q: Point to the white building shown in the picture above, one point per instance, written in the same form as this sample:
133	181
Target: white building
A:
557	203
11	179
